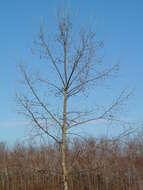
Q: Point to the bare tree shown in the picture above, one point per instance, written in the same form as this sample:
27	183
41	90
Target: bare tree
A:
73	69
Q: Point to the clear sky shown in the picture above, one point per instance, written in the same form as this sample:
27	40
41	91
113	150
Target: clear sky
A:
118	23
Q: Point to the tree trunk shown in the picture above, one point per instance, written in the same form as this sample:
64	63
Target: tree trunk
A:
64	168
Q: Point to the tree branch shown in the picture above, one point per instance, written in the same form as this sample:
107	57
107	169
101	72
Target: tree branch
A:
45	46
37	97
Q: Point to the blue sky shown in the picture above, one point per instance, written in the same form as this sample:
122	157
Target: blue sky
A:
118	23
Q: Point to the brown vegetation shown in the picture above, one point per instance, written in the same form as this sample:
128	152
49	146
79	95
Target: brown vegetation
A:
94	165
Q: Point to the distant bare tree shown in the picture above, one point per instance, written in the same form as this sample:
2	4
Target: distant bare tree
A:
73	70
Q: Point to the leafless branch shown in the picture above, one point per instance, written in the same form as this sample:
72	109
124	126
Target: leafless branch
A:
37	97
24	103
45	46
106	114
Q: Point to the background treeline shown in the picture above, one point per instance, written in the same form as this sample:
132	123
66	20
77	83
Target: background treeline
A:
93	165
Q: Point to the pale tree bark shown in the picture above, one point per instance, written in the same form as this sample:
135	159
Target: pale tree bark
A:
64	167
